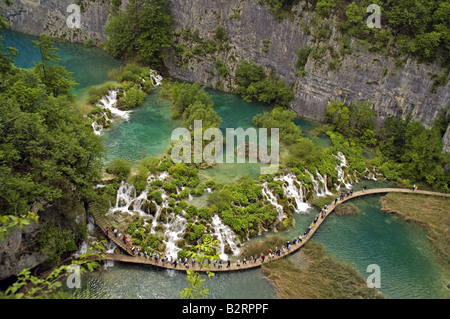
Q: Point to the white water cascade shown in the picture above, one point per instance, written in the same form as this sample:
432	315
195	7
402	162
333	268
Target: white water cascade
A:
125	197
224	235
267	193
174	232
341	173
108	102
323	189
291	191
156	78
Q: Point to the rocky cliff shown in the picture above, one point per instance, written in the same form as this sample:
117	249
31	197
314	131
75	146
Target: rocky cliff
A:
50	16
254	34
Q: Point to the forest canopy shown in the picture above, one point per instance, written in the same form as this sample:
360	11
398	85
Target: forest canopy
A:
142	32
49	155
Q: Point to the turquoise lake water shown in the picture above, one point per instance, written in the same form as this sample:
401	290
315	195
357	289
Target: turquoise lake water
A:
408	267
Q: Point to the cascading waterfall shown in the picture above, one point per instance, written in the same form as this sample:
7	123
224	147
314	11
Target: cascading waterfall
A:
267	193
341	173
370	175
315	183
175	225
110	250
291	191
224	236
125	197
159	208
156	78
109	102
323	189
174	232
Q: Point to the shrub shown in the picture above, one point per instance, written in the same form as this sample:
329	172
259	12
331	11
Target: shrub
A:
119	167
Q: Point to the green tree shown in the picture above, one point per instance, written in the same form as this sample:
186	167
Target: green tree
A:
49	156
119	167
143	31
207	250
56	78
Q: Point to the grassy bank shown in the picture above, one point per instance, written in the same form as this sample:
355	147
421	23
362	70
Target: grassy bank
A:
430	212
323	277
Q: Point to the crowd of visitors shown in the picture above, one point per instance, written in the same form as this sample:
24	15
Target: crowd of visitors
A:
246	262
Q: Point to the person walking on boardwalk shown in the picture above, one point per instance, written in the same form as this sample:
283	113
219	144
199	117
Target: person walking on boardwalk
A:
228	263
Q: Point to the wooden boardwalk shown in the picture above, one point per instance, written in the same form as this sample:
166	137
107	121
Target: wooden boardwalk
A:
103	223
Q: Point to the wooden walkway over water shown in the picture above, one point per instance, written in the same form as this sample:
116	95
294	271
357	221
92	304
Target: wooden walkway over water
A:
103	223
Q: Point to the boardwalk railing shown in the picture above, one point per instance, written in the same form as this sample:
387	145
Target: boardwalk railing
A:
107	228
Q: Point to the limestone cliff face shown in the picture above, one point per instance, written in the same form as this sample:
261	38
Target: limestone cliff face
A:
50	16
17	252
254	34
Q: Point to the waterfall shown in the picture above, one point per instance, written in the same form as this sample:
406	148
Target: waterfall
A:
174	232
267	193
97	128
110	250
125	197
109	102
323	189
340	170
315	184
292	192
224	235
156	78
369	174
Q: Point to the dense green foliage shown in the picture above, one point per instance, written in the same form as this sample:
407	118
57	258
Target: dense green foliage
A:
284	121
119	167
255	85
407	151
356	120
49	156
417	27
191	102
241	207
142	32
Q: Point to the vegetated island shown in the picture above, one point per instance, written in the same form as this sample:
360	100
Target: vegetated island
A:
311	273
